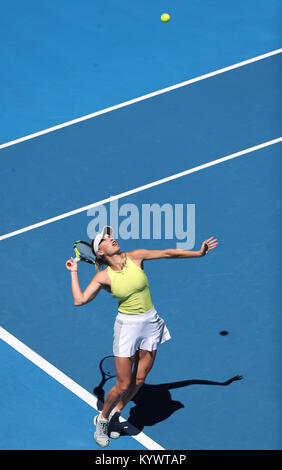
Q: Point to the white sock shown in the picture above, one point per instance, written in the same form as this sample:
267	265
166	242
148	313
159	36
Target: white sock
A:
114	410
102	419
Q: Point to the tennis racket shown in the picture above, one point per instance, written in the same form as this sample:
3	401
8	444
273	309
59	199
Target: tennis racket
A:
83	252
108	371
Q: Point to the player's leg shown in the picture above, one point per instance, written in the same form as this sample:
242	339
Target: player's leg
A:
142	366
143	363
123	382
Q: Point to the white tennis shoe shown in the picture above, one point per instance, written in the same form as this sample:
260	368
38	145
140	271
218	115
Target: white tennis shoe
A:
101	433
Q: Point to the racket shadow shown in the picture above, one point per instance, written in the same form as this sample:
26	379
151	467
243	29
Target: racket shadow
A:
99	392
107	369
153	404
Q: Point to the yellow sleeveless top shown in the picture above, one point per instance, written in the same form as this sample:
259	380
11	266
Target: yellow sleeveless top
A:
130	287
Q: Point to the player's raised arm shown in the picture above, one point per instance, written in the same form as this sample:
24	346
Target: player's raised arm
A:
143	254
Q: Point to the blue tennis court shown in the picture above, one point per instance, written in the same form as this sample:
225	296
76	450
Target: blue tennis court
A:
206	390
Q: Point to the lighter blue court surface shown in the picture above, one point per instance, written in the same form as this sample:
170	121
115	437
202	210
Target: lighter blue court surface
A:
189	400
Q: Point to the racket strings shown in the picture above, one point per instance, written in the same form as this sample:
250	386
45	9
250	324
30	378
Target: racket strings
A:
85	251
108	366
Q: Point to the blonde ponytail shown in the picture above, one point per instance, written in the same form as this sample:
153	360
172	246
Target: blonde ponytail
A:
99	263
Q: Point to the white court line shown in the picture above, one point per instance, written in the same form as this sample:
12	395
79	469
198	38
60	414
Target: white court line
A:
141	98
141	188
68	383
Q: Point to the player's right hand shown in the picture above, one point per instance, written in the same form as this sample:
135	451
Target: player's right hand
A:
71	265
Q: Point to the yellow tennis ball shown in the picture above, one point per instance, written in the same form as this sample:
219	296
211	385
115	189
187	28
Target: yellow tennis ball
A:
165	17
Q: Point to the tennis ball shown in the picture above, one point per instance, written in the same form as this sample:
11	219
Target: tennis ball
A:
165	17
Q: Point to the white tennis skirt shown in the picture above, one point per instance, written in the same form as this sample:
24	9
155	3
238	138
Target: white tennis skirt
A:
143	331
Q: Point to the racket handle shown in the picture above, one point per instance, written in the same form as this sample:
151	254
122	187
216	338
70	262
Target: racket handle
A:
75	259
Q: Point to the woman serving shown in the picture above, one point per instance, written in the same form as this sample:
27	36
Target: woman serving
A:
138	329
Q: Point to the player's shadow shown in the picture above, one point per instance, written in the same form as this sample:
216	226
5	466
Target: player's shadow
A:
153	403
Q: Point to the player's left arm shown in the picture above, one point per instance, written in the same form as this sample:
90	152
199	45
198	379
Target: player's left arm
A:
143	255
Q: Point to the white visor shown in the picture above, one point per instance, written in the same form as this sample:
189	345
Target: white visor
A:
107	230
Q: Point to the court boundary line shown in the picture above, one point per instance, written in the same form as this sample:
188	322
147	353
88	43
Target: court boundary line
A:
141	188
141	98
71	385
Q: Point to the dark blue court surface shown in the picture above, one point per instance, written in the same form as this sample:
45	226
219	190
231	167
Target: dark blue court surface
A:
207	390
62	60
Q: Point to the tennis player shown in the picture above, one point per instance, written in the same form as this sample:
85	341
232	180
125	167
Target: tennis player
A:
138	329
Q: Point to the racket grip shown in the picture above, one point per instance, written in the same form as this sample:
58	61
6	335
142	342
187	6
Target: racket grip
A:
75	259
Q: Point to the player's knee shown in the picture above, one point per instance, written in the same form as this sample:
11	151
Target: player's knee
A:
123	385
